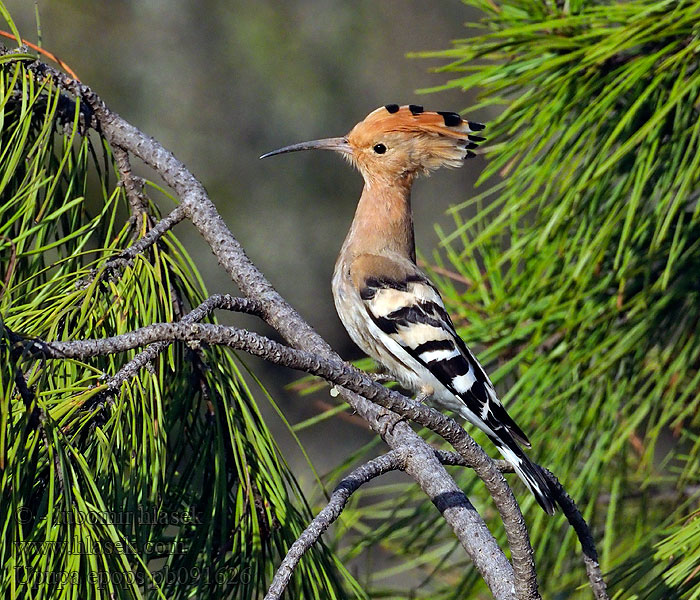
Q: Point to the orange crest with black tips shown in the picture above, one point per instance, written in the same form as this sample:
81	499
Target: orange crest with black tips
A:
406	140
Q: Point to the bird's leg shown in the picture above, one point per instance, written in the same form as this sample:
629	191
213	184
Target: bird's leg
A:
392	420
425	394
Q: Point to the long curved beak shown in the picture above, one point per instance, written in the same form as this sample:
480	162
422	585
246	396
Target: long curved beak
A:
339	144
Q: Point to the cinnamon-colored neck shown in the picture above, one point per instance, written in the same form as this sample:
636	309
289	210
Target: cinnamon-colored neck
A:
383	222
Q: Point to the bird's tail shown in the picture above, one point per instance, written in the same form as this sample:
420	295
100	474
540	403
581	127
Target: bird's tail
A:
531	474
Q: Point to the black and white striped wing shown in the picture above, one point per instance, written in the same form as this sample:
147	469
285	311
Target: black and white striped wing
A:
412	313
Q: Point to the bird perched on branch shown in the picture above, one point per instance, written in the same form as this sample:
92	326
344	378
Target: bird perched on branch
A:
390	308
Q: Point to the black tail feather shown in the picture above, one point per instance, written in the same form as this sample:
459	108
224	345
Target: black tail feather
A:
530	473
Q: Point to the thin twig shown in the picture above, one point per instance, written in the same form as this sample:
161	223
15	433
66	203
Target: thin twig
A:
201	312
391	461
125	258
133	186
153	235
590	554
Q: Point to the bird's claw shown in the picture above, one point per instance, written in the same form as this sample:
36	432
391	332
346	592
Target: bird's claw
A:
391	421
424	395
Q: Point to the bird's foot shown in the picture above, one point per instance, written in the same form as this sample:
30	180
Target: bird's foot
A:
388	422
424	395
381	377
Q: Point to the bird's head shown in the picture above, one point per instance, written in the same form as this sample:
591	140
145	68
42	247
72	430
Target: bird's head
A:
399	142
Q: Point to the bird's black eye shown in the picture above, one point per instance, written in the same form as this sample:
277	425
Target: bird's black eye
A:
379	148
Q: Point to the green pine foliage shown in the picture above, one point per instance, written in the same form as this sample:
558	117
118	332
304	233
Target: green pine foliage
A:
574	274
171	487
582	257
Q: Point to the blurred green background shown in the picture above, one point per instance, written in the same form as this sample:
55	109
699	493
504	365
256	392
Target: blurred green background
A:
219	82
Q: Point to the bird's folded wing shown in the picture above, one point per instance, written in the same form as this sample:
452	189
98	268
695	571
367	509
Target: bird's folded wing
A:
410	311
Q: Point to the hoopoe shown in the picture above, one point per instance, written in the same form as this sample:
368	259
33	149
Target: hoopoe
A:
389	307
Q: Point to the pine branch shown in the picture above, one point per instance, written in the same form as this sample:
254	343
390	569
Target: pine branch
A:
390	461
133	186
